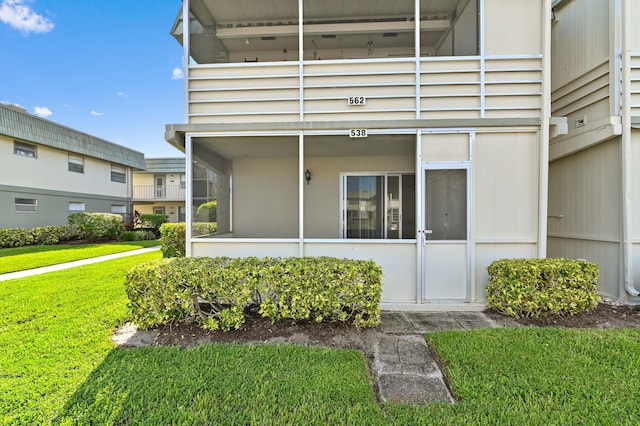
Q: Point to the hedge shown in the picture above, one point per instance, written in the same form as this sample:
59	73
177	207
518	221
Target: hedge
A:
47	235
97	225
537	287
173	236
216	292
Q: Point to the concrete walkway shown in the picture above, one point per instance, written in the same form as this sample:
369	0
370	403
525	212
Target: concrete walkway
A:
405	367
62	266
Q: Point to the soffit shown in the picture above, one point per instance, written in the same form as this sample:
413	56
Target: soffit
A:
315	146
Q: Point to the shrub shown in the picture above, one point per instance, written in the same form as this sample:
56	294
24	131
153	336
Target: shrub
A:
152	221
215	292
207	212
173	236
97	225
173	239
137	236
48	235
535	287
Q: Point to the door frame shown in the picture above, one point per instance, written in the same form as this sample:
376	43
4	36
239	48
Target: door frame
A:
421	226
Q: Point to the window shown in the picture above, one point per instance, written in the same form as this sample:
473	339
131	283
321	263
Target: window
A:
118	174
26	205
118	209
76	207
25	149
158	210
183	181
380	206
76	163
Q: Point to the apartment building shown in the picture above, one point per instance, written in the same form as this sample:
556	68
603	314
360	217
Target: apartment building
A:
48	171
594	178
412	132
161	188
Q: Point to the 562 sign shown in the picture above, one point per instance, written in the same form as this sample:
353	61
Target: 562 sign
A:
356	100
358	133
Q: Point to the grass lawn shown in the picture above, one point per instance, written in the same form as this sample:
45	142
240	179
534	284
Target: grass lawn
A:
21	258
57	365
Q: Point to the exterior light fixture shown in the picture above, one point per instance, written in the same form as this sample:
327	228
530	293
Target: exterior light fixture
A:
307	176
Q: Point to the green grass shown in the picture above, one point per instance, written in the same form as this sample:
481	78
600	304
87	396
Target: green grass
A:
58	366
538	376
54	331
21	258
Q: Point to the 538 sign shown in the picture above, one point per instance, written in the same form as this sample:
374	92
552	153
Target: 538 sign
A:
358	133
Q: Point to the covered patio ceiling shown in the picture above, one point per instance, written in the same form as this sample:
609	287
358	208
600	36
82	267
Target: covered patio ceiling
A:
265	25
230	148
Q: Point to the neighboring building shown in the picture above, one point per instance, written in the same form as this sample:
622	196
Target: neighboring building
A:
48	171
161	188
594	198
411	132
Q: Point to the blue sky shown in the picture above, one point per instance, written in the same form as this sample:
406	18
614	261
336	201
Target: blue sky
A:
104	67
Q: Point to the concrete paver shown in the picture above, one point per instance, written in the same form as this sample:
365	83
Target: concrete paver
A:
405	367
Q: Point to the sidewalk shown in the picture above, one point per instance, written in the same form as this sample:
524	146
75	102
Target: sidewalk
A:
68	265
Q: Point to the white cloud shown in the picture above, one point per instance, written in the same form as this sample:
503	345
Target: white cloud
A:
19	15
122	95
178	74
42	111
96	113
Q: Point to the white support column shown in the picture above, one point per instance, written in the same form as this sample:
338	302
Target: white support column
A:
417	59
481	50
186	46
301	188
188	202
301	56
545	119
419	220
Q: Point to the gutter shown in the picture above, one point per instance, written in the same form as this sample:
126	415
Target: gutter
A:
627	177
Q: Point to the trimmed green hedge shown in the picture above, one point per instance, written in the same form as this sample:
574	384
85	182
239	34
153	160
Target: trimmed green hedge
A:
97	225
215	292
536	287
47	235
173	236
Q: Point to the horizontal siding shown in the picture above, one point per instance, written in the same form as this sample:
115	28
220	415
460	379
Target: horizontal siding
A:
587	89
455	87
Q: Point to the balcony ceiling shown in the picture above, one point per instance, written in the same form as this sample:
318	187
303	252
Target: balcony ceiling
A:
315	146
255	25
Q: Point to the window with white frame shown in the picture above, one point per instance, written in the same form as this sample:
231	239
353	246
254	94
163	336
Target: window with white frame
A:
183	181
159	210
120	209
378	206
76	163
118	174
76	207
25	149
26	205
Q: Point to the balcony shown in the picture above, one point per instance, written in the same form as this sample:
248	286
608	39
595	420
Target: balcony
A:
153	193
463	87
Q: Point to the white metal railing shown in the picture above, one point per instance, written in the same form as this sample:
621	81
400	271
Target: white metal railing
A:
158	192
448	87
635	83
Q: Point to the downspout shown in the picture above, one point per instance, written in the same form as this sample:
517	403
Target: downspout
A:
627	231
544	132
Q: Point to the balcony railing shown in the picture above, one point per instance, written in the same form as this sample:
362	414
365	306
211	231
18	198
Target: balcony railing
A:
155	192
394	88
